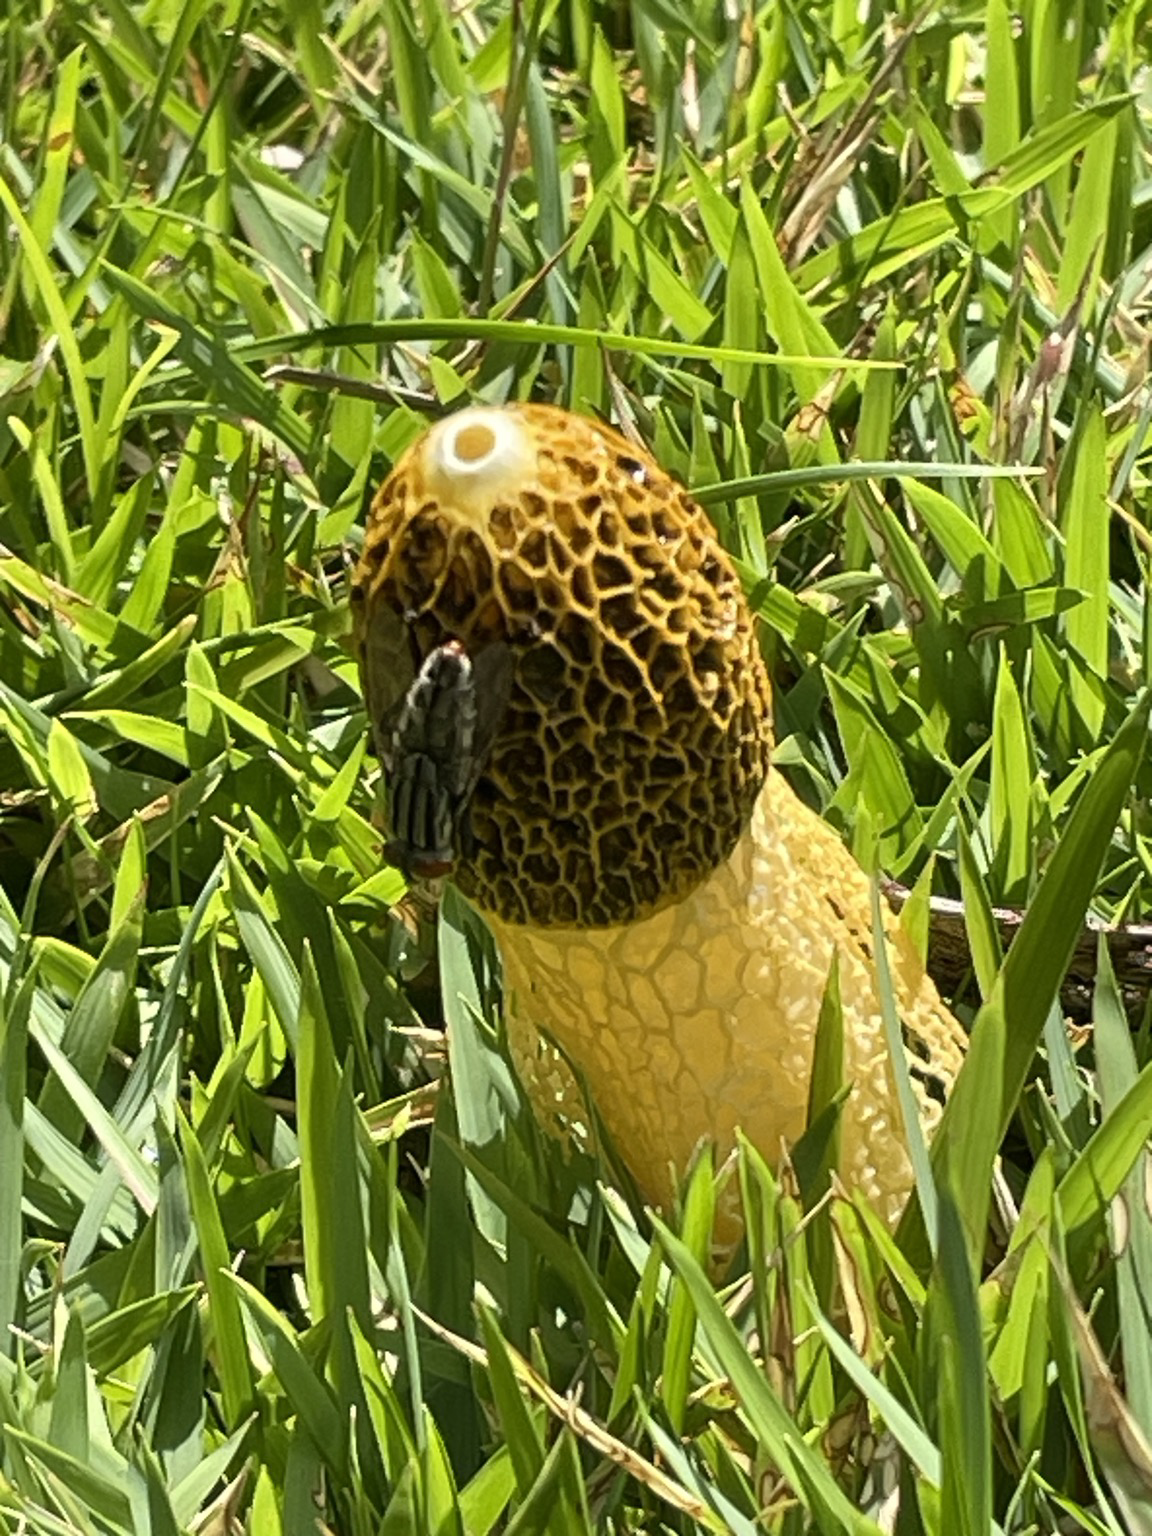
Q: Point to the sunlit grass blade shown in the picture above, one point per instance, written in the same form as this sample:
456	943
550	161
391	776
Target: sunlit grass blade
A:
696	1231
305	1391
1098	1174
44	282
1031	974
964	1412
231	1349
765	1414
1086	520
15	1007
533	334
214	364
1132	1225
1009	797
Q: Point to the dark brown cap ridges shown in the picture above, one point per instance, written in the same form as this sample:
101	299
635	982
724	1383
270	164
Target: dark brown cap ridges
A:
638	728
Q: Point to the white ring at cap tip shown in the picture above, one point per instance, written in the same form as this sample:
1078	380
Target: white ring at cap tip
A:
477	441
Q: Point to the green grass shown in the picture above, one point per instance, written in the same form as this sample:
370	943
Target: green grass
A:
273	1251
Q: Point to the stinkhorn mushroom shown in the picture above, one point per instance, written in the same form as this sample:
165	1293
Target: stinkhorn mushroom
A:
566	690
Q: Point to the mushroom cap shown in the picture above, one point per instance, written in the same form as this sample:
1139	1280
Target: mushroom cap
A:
636	731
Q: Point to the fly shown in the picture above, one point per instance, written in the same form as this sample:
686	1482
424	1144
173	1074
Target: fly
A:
437	750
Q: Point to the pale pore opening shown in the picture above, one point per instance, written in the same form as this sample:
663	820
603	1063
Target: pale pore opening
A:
479	443
477	457
474	442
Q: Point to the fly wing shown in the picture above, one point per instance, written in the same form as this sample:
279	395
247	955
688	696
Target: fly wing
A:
387	673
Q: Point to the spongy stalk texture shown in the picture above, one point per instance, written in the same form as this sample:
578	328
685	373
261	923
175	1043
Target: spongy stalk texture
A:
702	1019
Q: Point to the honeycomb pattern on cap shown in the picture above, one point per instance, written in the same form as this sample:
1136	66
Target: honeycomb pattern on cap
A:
639	727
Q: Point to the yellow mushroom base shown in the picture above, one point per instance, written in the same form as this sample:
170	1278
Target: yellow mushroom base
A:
702	1018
